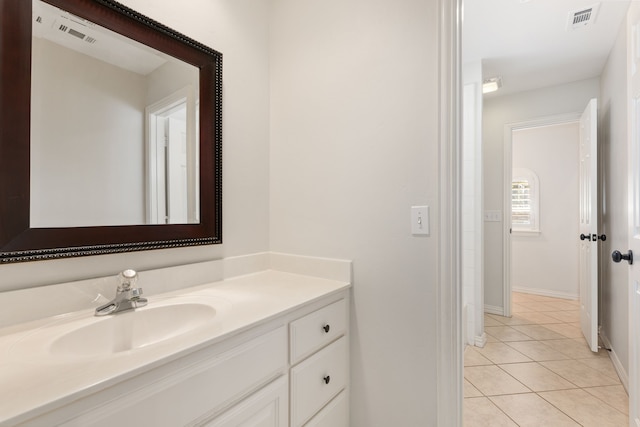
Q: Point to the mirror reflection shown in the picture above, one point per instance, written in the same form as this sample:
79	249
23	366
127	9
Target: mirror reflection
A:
114	135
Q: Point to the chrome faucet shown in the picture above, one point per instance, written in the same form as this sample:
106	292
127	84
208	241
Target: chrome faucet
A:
127	295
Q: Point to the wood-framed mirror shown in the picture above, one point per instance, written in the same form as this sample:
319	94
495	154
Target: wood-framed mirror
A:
132	163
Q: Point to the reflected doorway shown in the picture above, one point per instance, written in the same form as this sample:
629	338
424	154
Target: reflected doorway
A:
172	161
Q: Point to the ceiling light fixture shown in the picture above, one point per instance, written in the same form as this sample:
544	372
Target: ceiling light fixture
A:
492	84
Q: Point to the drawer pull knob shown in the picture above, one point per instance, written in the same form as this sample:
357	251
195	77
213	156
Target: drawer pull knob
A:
326	328
327	379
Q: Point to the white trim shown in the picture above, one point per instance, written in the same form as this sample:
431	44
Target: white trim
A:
494	309
546	293
480	340
506	223
155	194
506	198
526	233
449	381
622	374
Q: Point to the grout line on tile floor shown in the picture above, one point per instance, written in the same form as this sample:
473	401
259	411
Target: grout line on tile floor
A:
563	314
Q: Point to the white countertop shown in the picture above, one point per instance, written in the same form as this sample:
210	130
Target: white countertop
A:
32	381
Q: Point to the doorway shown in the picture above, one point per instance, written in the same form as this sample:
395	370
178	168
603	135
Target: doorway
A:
536	364
540	208
172	160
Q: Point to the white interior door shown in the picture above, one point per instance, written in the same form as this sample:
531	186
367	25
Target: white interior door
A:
633	52
589	224
634	269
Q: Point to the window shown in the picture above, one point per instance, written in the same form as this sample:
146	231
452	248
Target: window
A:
524	201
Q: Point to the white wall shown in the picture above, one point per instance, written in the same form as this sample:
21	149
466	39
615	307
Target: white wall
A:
547	262
472	225
354	145
614	278
74	145
238	29
501	110
169	78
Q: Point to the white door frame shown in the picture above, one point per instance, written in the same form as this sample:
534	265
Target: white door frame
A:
156	203
449	289
506	197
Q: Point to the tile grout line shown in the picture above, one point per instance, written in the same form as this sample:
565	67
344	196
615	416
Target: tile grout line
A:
567	321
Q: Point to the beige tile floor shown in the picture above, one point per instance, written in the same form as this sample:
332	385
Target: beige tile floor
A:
537	370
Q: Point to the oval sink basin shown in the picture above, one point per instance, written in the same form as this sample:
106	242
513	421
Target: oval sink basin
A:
131	330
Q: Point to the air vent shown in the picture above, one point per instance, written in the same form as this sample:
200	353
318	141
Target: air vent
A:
583	17
77	34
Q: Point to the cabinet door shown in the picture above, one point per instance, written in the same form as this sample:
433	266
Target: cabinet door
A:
191	391
335	414
265	408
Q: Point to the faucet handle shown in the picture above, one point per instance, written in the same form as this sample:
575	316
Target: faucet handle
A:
128	279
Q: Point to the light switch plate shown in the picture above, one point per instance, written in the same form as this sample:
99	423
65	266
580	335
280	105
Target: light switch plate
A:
420	220
493	216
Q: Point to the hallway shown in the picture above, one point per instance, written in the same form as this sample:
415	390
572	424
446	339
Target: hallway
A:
536	370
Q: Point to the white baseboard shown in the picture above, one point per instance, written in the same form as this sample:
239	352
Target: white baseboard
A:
494	309
545	292
480	340
624	377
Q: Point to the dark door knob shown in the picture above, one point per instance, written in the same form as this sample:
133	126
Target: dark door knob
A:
602	237
617	256
585	237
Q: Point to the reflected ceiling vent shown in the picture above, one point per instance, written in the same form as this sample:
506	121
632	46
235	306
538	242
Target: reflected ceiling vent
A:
50	18
76	33
583	17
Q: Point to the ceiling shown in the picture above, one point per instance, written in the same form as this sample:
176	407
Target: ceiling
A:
85	37
527	42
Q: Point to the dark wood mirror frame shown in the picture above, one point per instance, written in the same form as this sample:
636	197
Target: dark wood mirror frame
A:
19	242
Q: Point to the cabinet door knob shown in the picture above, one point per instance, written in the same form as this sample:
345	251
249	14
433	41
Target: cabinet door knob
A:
327	379
326	328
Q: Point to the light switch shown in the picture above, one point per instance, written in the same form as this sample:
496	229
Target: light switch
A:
492	216
420	220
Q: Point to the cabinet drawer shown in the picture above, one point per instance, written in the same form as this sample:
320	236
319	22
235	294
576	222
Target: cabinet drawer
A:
335	414
317	329
315	381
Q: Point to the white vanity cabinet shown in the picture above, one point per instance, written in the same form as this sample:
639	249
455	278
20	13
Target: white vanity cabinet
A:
320	358
191	390
288	369
266	408
318	376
